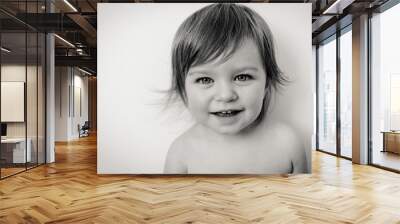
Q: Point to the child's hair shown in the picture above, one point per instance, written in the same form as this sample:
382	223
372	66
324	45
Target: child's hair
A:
219	29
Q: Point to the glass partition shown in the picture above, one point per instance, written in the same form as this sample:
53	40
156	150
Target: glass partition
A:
13	95
22	77
346	93
327	96
32	95
41	86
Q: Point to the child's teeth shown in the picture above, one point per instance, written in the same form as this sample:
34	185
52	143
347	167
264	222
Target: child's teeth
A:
228	112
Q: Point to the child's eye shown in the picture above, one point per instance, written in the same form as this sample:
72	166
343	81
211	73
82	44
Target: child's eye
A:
243	77
204	80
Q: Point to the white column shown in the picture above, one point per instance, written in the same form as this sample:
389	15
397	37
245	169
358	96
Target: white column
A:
50	100
50	92
360	90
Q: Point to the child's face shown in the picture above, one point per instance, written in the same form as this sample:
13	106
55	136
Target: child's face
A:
227	95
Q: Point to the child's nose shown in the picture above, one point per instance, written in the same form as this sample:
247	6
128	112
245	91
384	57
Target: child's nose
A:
226	93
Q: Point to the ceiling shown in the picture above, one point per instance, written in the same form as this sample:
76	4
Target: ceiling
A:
76	22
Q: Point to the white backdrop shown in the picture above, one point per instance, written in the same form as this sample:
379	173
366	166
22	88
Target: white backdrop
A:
134	50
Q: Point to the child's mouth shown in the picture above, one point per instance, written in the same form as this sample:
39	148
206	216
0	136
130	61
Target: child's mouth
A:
226	113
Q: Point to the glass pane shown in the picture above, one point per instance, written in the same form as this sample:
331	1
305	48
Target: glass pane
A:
386	89
314	73
346	94
327	97
41	98
13	87
31	101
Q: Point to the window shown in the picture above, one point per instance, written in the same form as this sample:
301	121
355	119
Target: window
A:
385	88
327	96
346	93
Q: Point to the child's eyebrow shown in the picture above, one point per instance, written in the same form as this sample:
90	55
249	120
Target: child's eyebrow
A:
200	72
246	68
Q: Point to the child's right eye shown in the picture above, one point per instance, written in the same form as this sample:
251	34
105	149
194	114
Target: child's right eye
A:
204	80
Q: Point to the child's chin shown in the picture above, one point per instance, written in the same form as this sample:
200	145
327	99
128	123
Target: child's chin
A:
228	130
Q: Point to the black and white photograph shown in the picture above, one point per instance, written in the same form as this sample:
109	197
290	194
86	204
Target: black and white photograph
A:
222	88
160	111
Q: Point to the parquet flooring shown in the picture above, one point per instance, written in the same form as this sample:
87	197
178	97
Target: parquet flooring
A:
70	191
10	171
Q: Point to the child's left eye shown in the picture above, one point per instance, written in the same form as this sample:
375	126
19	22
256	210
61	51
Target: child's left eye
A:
243	77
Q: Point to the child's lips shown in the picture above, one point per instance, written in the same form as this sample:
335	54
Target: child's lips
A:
227	113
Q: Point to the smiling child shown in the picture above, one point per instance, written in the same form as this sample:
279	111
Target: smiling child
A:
225	72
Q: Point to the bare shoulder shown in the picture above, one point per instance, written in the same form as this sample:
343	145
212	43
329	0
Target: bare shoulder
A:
292	143
175	162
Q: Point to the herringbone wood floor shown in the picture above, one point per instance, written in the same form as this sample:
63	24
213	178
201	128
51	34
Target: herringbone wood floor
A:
70	191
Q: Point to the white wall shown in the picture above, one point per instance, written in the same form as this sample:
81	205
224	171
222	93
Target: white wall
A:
61	103
80	84
134	63
68	80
